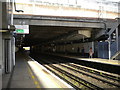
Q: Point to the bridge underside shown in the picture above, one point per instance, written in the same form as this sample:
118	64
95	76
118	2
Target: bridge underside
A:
57	34
44	29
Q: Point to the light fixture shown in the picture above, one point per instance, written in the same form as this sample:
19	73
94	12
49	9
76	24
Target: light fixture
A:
3	30
11	27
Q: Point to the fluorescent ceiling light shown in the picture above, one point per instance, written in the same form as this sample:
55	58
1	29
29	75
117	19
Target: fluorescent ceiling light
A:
3	30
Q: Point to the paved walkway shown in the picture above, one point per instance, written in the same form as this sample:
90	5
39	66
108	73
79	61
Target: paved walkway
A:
21	77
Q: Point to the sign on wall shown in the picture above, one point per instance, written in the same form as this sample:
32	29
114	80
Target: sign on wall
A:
22	29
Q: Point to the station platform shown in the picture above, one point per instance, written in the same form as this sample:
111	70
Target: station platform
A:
28	73
99	60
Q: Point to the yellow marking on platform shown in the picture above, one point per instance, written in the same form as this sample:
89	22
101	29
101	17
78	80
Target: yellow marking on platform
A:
38	87
33	77
36	82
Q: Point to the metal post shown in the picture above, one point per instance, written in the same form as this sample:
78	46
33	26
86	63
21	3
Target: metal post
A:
117	39
12	38
13	50
7	56
1	57
1	47
76	2
12	12
109	45
93	47
33	8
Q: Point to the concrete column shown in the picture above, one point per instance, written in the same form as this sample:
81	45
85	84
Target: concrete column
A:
5	20
4	16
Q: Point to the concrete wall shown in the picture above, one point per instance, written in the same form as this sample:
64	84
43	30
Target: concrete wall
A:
70	48
51	10
74	47
100	49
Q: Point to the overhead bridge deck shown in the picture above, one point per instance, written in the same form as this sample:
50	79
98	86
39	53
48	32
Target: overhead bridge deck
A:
57	21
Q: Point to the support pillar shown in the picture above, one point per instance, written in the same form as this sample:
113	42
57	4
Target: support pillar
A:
117	39
109	46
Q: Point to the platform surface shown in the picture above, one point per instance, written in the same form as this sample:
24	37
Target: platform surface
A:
106	61
99	60
30	74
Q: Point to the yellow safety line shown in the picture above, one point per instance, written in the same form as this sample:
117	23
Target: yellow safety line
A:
33	77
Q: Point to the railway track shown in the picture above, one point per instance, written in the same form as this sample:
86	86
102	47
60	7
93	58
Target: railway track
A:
73	80
104	74
82	77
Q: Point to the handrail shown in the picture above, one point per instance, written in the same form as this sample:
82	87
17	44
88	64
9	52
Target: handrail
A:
116	55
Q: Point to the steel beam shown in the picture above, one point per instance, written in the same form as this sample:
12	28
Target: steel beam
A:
52	21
